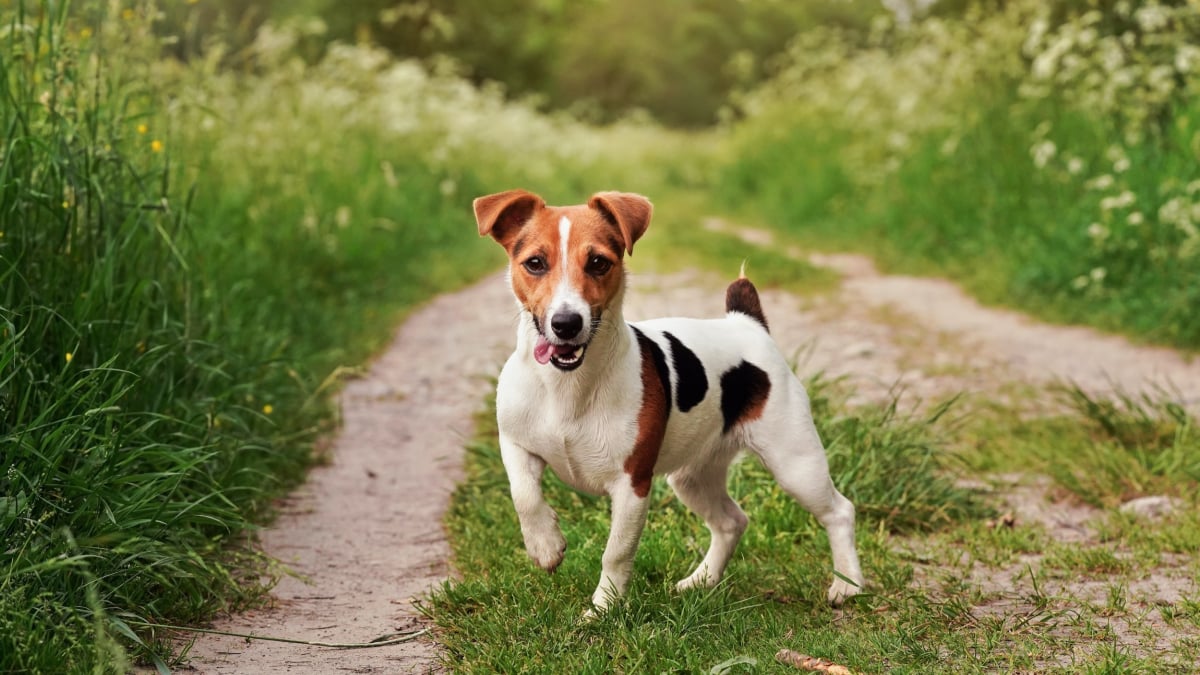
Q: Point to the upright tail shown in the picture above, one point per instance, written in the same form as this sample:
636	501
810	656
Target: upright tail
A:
741	296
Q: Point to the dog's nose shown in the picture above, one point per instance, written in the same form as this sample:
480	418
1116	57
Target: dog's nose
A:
566	325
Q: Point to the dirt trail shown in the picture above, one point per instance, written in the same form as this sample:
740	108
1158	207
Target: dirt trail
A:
366	529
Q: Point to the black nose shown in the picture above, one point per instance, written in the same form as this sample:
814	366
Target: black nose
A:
566	325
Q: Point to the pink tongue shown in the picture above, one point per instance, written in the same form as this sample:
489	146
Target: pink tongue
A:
543	350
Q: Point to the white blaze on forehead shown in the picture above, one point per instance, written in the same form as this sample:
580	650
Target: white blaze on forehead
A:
566	297
564	233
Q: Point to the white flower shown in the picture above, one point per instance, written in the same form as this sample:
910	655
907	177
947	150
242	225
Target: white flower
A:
1074	166
1121	165
1136	218
1097	274
1123	200
1100	182
1043	152
1080	282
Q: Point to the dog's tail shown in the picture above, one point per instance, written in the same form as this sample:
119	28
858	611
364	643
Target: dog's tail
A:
742	296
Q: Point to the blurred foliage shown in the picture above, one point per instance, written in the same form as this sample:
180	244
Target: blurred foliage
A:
678	60
1044	153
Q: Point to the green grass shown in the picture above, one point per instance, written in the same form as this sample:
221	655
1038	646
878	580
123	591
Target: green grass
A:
190	260
948	591
1075	212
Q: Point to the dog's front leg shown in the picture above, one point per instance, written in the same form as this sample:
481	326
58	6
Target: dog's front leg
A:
628	518
539	523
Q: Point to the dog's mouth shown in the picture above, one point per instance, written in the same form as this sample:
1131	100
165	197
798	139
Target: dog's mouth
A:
563	357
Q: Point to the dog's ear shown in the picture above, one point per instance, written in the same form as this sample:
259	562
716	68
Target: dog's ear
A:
503	213
628	211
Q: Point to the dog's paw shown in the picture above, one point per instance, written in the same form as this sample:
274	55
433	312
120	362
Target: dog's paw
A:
698	579
842	590
548	549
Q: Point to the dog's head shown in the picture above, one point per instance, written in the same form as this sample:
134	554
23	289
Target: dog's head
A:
565	262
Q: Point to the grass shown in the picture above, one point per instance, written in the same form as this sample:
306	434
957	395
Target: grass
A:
948	591
190	260
1078	213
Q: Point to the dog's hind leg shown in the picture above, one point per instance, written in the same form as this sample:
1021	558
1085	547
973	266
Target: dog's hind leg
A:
704	492
788	444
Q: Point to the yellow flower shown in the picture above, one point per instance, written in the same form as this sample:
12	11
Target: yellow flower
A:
268	409
127	14
156	145
66	204
69	357
85	32
142	128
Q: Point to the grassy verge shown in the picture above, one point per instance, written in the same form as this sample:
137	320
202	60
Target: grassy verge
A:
951	588
1011	167
188	255
992	542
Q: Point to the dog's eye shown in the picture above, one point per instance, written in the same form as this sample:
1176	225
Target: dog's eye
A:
598	266
535	266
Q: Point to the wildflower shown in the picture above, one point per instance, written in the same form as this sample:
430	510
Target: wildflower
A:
142	128
1100	182
1097	231
1074	166
156	145
268	409
127	14
1097	274
1123	200
1121	165
85	32
1136	218
1080	282
1043	152
69	357
66	204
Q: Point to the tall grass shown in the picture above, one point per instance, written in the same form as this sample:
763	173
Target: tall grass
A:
187	253
1045	158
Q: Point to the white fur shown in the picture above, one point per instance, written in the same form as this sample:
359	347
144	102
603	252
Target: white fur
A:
584	424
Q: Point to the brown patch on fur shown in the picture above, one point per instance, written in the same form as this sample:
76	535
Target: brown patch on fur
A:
652	418
606	227
628	211
742	296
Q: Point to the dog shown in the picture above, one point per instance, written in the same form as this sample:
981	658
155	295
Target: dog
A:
608	404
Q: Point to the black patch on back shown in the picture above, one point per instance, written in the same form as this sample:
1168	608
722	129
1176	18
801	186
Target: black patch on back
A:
693	381
744	390
660	362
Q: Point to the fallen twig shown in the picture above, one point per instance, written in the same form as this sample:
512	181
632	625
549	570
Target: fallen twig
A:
381	641
806	662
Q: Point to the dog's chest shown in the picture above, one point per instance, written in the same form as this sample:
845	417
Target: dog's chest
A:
586	444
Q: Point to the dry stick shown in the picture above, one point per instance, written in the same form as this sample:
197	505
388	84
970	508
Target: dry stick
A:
381	641
806	662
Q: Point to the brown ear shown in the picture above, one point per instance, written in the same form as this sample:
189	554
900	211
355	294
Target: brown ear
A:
628	211
503	213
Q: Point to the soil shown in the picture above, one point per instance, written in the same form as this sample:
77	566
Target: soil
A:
364	534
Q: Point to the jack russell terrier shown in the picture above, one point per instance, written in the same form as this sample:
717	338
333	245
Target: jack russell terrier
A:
609	404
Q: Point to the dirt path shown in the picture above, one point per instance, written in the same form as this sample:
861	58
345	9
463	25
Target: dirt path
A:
366	529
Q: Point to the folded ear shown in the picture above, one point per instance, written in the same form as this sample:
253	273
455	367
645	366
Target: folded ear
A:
503	213
628	211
